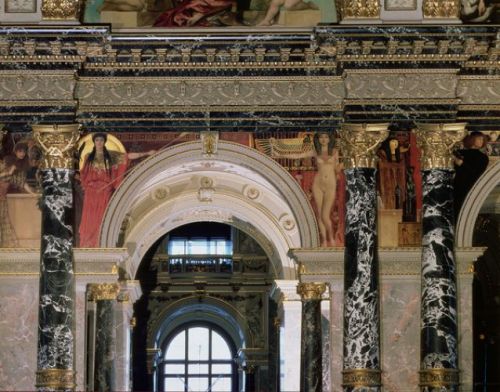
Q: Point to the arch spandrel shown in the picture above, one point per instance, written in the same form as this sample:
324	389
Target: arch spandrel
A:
245	189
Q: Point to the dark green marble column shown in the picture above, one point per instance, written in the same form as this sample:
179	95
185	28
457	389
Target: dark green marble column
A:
104	295
56	331
361	361
439	333
311	355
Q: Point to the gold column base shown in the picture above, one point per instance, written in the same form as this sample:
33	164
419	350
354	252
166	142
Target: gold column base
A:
436	378
361	378
63	379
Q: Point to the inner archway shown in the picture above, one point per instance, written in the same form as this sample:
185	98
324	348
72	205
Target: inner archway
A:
237	185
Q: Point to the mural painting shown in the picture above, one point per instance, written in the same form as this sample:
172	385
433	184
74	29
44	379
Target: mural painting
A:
314	159
210	13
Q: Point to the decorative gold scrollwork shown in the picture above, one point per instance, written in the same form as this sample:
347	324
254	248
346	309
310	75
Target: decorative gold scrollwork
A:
350	9
61	9
441	9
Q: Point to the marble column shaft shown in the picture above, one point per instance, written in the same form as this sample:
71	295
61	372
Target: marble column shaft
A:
439	336
439	291
311	367
361	360
361	283
56	308
56	330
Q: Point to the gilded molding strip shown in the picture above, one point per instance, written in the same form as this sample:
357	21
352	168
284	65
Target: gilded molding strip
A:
361	378
55	379
439	378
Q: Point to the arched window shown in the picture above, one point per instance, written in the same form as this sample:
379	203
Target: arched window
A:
198	358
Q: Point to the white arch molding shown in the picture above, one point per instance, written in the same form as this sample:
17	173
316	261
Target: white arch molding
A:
238	186
473	203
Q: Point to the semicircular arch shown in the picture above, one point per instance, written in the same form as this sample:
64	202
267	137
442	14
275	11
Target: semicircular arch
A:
238	186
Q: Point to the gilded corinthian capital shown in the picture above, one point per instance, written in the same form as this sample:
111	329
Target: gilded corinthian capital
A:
436	142
57	143
359	143
61	10
103	291
311	290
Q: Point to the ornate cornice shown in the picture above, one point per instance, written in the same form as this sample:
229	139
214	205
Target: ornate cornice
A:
436	142
57	143
359	143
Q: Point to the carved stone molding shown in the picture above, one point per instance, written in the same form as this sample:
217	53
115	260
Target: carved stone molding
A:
210	91
359	143
401	85
27	85
442	9
436	142
57	143
479	90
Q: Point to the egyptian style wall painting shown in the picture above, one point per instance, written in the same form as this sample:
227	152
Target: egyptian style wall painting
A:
314	159
210	13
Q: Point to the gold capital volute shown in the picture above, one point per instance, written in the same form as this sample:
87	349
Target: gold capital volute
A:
359	144
436	142
311	290
57	143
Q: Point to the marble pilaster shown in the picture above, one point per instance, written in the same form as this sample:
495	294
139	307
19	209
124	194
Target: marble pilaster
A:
361	362
104	295
56	331
439	334
311	357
